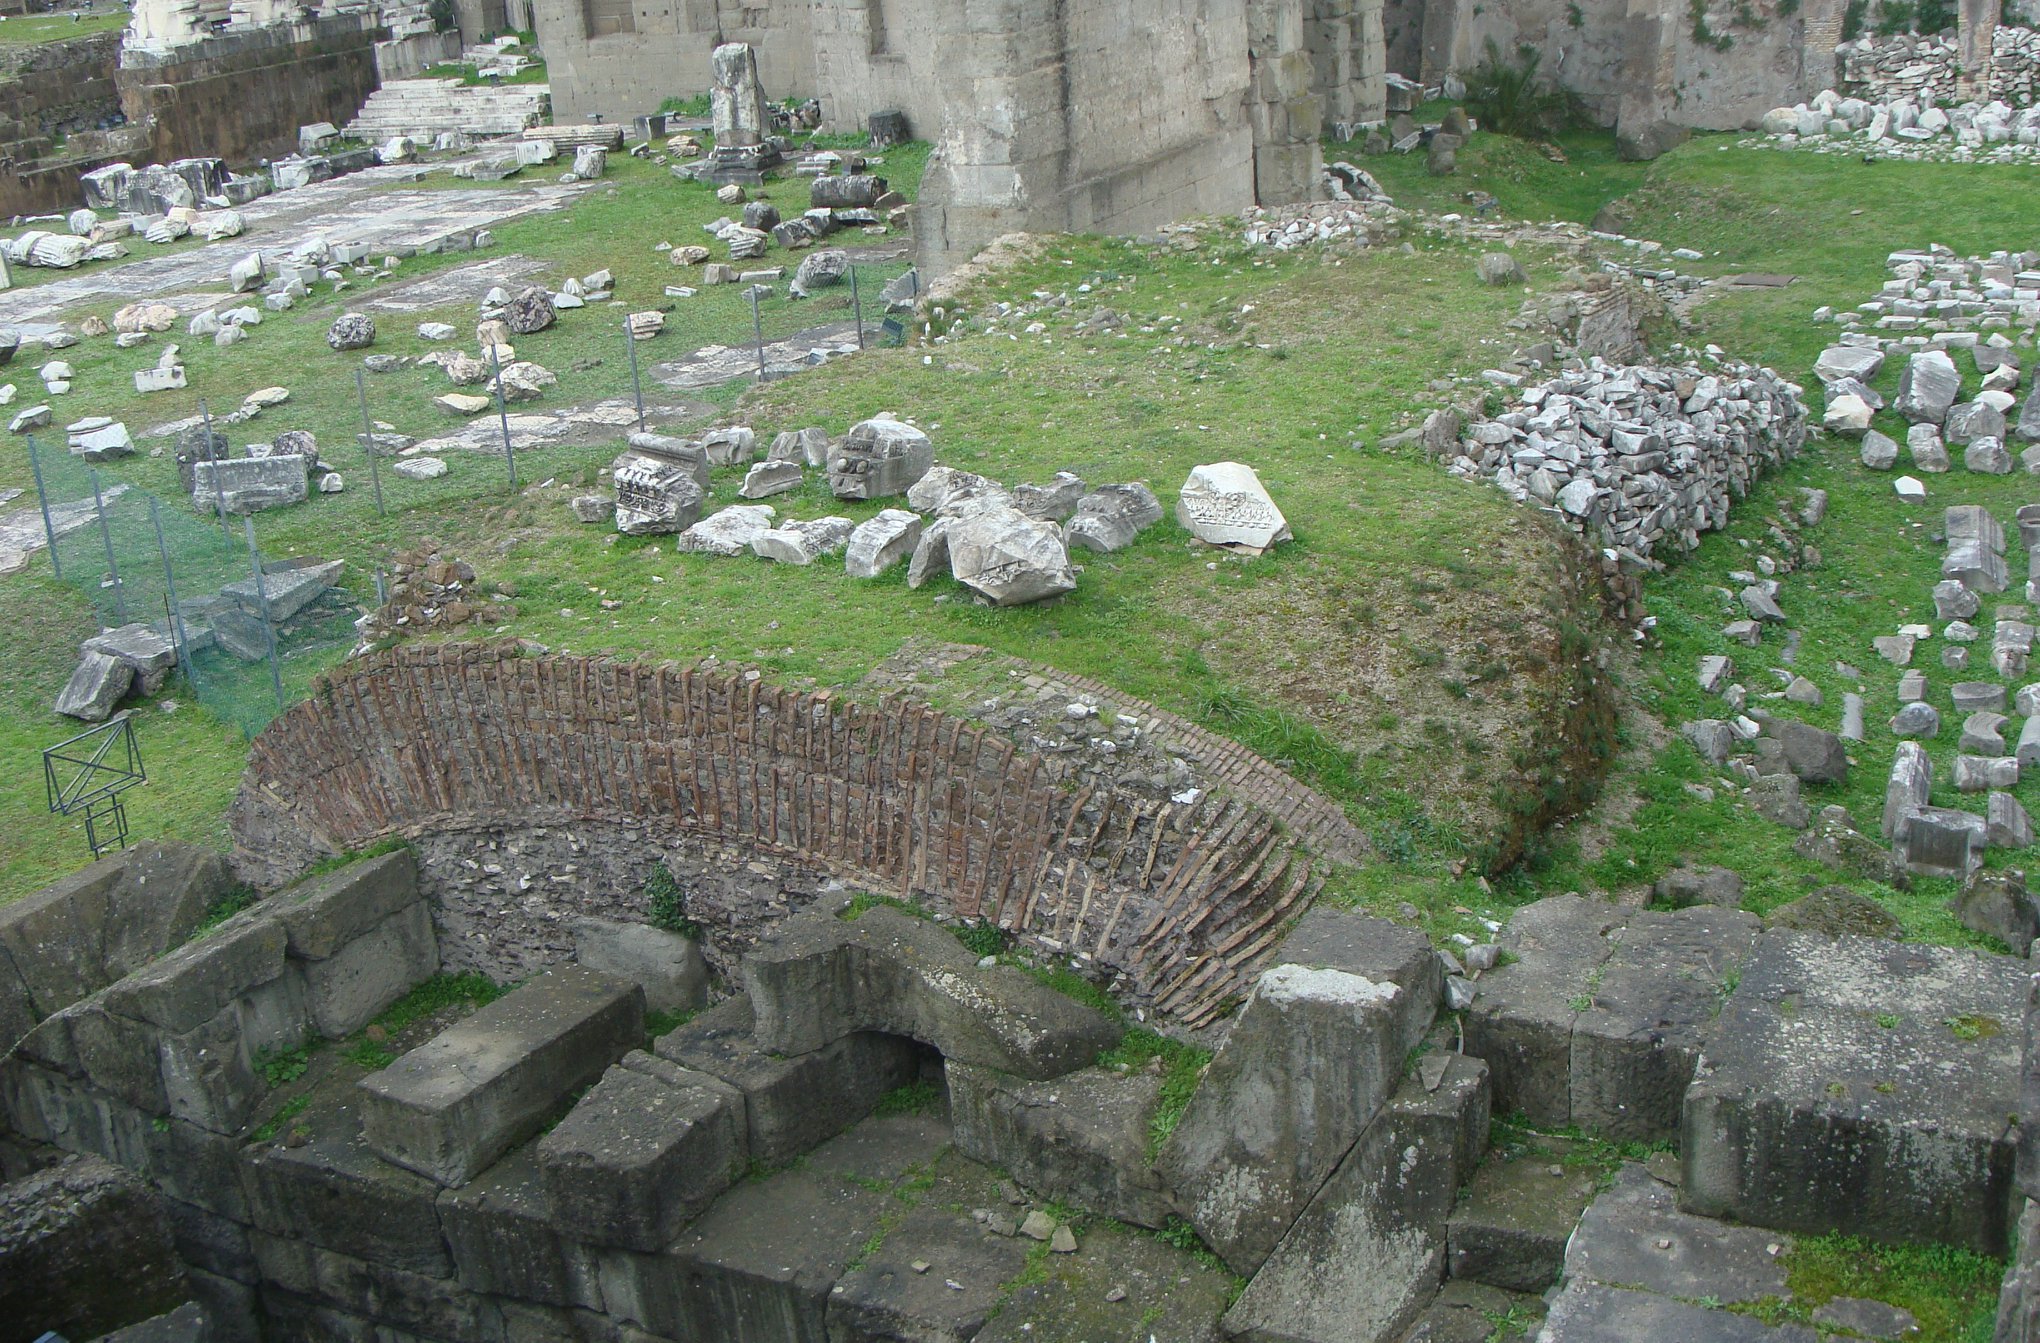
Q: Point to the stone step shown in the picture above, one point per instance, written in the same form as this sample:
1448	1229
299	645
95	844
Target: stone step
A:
457	1102
1520	1208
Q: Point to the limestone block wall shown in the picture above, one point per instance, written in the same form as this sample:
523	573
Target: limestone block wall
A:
243	94
1349	59
541	787
624	57
53	100
1111	115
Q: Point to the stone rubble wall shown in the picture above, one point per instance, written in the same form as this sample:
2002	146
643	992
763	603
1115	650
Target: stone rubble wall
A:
1927	70
1637	458
54	98
727	778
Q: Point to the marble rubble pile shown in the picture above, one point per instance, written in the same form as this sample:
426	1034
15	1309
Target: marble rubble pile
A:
1637	457
1008	546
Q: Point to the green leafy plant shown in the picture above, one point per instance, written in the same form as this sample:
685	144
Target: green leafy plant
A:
915	1098
668	904
1182	1066
982	939
280	1067
1512	97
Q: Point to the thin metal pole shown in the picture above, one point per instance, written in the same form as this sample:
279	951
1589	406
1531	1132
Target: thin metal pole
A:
503	414
857	305
106	535
219	491
43	497
262	599
636	388
171	609
758	332
368	442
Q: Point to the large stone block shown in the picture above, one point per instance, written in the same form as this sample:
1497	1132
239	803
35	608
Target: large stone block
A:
56	938
242	485
667	966
163	894
1859	1085
1312	1057
792	1103
1600	1018
195	983
823	977
500	1230
457	1102
1634	1235
1376	949
2018	1312
889	1297
757	1268
84	1249
1081	1138
1590	1313
1510	1229
322	915
1365	1257
349	989
644	1153
334	1191
422	1305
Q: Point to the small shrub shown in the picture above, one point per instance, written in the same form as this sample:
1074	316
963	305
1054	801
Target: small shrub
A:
982	939
280	1067
1512	98
668	904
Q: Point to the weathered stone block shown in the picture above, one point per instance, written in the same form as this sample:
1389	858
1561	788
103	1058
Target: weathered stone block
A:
1590	1313
667	966
1634	1235
395	1298
757	1268
195	983
644	1153
349	989
457	1102
1511	1228
823	977
792	1103
1081	1138
1859	1085
321	916
1373	948
886	1297
334	1191
1312	1057
1366	1255
85	1249
1521	1021
504	1241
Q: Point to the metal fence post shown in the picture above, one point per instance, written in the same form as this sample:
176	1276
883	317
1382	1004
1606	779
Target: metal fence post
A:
171	610
368	442
637	390
106	535
262	600
857	305
42	496
758	332
219	491
503	414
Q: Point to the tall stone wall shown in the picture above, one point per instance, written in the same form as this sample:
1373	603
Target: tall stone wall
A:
243	94
1112	116
55	101
751	795
620	59
1634	62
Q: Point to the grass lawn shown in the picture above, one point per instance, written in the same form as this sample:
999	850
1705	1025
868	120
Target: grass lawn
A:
25	30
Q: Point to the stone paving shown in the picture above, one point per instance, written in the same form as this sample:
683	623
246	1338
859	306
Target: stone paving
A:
360	207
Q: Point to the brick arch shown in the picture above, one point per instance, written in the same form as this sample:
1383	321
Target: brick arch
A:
1183	902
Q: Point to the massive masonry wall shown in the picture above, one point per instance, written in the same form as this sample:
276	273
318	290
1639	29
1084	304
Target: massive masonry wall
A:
54	99
1716	66
243	94
622	58
1113	116
543	778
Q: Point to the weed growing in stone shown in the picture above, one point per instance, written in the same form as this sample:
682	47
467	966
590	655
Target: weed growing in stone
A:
1182	1066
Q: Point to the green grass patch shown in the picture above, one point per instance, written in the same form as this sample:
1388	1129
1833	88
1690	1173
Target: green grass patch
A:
658	1023
435	995
1951	1293
1182	1067
338	861
278	1122
915	1098
224	908
280	1067
23	30
864	902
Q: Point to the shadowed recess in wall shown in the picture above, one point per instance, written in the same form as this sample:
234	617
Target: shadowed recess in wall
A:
1182	898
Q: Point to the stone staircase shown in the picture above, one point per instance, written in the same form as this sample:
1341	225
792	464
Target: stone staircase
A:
424	107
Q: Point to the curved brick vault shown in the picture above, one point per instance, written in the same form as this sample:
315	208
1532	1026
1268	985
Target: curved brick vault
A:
1185	901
